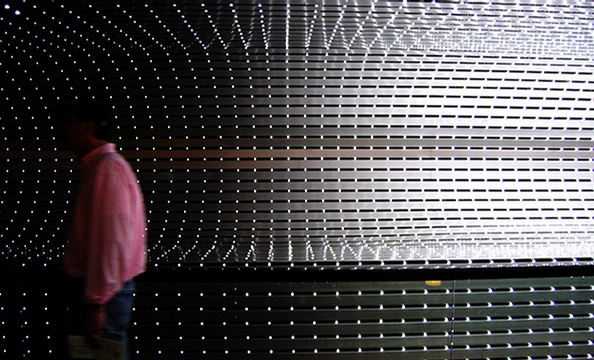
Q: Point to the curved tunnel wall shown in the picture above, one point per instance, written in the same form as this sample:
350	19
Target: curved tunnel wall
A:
314	132
313	135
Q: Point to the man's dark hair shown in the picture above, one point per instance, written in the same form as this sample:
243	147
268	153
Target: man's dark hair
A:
89	110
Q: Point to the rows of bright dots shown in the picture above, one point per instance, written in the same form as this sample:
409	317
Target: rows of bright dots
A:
494	21
379	321
565	296
313	323
268	69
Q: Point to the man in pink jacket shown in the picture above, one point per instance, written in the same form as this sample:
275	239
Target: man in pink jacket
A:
106	247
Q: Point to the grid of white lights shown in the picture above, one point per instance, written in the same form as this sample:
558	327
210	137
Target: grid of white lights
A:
334	133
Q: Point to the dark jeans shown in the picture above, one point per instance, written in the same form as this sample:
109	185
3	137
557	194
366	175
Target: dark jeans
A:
118	313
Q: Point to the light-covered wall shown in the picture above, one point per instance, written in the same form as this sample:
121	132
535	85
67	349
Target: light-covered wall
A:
309	134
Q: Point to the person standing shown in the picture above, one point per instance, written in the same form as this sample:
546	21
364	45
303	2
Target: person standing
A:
106	246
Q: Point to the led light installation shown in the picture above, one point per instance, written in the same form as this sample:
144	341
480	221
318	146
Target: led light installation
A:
316	134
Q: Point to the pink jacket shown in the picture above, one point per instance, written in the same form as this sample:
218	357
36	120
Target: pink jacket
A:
107	242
